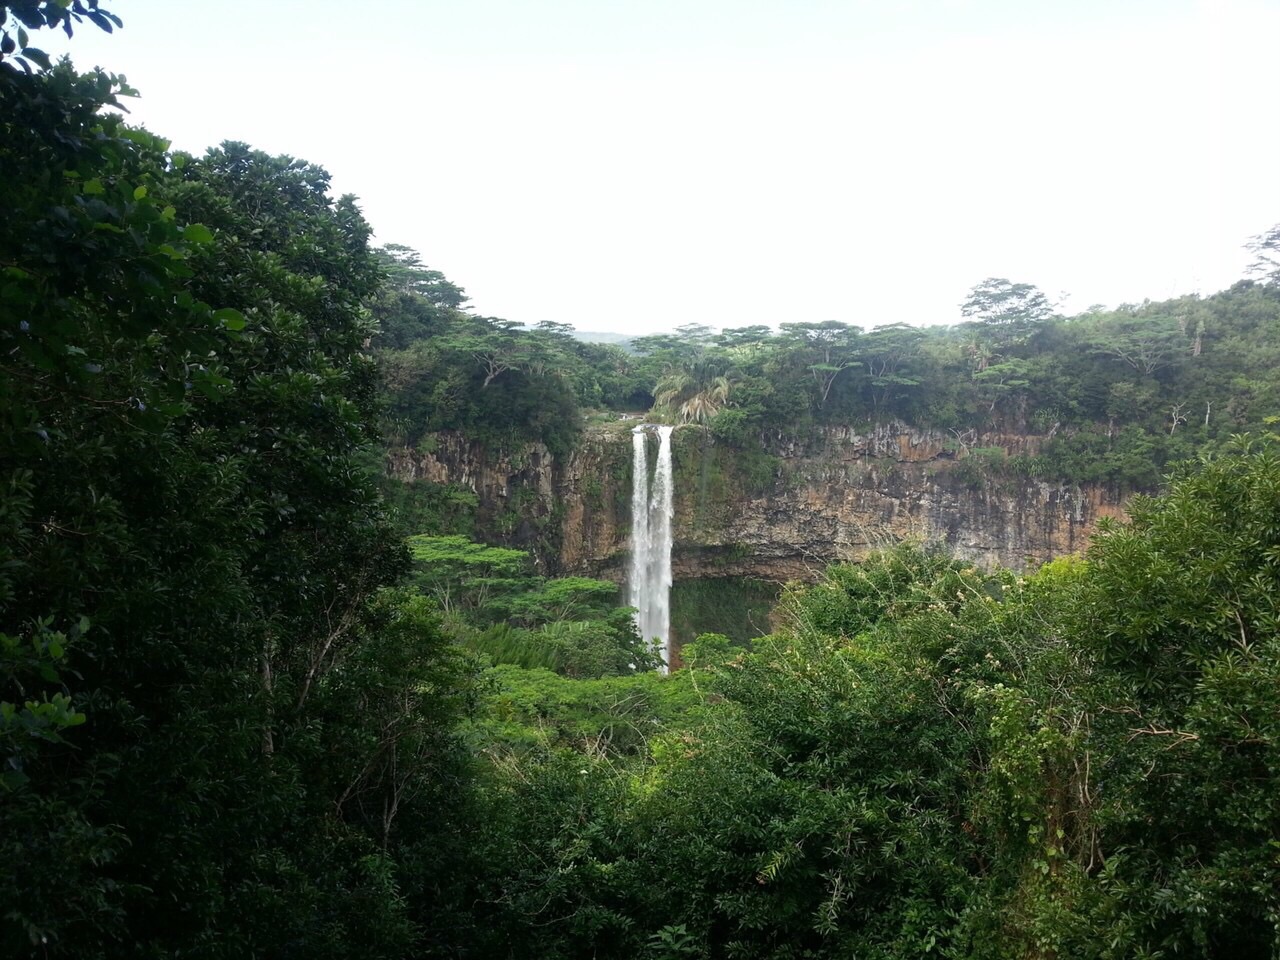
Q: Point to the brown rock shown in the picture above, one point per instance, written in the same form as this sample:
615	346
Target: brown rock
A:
781	514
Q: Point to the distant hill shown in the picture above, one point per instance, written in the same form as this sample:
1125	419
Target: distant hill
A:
599	336
593	336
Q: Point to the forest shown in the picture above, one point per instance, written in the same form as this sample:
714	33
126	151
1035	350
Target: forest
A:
1117	394
259	700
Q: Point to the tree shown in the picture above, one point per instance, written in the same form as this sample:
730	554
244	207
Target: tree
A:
888	352
1266	256
1145	342
103	351
568	598
194	555
407	274
740	337
457	572
499	352
495	382
695	393
1003	379
696	333
998	301
1185	621
558	331
829	347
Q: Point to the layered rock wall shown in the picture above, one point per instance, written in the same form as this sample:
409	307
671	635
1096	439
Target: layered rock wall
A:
780	512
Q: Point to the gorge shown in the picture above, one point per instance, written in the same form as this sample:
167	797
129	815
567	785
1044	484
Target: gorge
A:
319	586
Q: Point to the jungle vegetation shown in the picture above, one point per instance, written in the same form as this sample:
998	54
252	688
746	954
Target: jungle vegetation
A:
242	716
1111	396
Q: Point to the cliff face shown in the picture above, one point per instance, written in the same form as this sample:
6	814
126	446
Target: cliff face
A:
779	514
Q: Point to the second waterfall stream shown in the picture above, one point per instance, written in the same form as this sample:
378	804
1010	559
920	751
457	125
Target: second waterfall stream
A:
652	507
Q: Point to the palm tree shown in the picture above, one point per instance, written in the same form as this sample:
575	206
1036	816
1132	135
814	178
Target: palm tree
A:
695	394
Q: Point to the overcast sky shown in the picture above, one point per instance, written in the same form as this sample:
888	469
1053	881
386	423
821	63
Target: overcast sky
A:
631	165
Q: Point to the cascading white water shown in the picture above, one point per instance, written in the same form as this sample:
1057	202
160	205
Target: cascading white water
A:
661	508
652	507
637	576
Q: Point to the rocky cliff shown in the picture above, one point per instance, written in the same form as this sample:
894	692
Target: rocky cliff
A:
779	512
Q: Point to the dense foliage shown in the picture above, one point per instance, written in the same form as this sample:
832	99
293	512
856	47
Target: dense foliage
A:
927	759
1115	395
239	717
495	605
194	569
491	379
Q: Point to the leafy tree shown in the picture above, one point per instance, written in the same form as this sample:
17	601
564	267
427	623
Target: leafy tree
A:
1145	343
1000	302
1194	656
1003	379
744	337
1266	252
829	349
568	598
415	302
889	352
406	274
498	607
194	558
487	379
456	571
104	349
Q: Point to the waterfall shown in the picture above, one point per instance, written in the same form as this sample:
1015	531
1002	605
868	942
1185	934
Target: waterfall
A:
661	507
640	550
652	506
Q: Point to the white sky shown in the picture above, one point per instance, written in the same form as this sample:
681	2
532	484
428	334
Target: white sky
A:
632	165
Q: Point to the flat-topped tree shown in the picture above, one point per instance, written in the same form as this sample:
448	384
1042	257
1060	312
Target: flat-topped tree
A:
553	328
827	349
1007	312
738	337
407	274
889	353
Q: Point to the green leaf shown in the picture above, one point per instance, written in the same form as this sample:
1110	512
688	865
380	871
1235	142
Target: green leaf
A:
231	319
39	57
93	187
139	193
197	233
